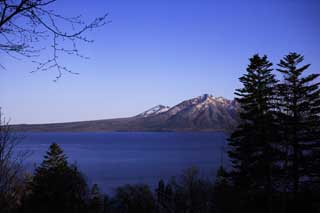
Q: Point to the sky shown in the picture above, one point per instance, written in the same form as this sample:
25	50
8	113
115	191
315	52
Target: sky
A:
158	52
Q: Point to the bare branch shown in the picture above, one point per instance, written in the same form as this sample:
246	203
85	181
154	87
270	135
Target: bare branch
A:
10	159
25	23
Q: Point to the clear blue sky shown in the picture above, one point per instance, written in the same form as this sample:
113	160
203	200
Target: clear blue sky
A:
159	52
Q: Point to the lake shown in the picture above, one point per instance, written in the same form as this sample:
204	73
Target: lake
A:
118	158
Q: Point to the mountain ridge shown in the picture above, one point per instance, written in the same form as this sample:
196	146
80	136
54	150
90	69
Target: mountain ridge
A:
202	113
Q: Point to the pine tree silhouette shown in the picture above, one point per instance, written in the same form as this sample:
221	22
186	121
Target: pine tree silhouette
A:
96	202
54	158
57	186
299	96
253	143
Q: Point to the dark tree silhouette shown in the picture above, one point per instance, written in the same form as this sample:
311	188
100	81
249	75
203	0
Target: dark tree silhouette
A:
95	200
10	165
161	196
224	193
134	198
57	186
23	23
253	143
299	96
191	193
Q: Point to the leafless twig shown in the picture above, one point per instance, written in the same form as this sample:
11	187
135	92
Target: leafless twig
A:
24	23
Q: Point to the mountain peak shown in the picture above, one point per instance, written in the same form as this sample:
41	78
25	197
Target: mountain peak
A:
154	111
210	99
205	96
202	113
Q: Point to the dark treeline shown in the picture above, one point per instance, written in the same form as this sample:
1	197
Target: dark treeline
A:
275	156
275	151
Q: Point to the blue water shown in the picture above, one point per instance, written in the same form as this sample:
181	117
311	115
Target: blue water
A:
115	159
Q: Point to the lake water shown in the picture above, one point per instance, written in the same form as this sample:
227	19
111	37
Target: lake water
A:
115	159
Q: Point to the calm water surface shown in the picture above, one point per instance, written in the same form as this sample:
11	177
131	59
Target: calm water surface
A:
114	159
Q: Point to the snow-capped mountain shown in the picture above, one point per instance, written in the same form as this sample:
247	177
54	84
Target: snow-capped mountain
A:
201	103
154	111
202	113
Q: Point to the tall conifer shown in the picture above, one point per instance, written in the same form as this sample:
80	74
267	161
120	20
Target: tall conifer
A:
299	96
57	186
252	144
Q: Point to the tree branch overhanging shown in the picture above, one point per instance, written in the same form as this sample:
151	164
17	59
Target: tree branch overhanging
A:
25	23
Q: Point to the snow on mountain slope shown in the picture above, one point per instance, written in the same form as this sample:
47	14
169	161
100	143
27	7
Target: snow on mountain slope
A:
202	113
200	103
154	111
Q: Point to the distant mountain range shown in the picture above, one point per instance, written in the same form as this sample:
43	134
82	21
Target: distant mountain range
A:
203	113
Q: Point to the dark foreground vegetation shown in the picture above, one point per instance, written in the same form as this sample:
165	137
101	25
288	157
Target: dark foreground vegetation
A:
275	155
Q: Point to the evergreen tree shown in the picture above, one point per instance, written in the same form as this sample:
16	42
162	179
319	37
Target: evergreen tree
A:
169	197
253	143
54	159
161	196
96	202
57	186
222	178
223	194
299	96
